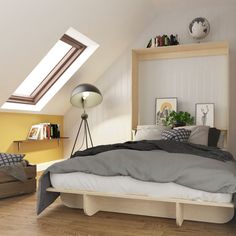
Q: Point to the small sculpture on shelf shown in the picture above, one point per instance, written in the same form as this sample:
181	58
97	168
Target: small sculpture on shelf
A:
163	40
199	28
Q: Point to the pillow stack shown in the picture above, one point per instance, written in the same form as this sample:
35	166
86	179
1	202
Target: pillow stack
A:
197	134
205	135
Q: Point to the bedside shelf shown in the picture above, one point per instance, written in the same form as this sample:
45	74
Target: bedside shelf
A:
19	142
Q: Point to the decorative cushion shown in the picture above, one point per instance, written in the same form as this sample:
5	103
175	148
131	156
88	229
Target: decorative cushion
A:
181	135
7	159
213	137
199	134
149	132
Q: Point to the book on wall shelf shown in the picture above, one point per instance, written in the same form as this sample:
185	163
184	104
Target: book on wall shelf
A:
43	131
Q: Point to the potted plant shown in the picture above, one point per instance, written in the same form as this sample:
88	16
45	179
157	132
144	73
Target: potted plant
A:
181	118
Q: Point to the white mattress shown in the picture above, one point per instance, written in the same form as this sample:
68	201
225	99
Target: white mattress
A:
128	185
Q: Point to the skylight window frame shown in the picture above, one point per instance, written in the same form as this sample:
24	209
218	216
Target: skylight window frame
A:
55	73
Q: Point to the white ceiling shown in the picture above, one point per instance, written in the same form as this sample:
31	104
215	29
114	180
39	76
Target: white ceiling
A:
29	28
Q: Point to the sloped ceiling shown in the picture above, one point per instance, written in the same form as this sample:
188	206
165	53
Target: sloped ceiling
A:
29	28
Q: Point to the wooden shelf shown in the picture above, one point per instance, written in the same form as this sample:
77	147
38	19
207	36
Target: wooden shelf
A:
19	142
182	51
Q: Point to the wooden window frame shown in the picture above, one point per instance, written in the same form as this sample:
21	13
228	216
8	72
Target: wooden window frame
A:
54	74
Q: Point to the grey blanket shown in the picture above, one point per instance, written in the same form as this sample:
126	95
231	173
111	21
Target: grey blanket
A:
212	170
17	171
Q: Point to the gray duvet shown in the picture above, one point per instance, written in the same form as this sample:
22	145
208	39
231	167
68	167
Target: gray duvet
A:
198	172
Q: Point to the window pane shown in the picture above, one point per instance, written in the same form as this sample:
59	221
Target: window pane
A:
43	69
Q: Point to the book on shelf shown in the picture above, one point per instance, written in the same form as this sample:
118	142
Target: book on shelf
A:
34	132
44	131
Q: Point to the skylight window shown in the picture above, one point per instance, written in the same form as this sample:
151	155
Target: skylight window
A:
41	71
53	71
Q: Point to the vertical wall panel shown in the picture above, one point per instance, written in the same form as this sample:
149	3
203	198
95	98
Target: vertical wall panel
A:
191	80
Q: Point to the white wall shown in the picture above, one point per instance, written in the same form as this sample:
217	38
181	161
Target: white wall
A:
110	121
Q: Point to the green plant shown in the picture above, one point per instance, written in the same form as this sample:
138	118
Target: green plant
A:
175	118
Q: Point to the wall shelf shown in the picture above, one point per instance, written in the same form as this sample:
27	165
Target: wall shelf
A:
19	142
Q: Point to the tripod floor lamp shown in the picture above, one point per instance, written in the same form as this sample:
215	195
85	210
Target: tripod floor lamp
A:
85	96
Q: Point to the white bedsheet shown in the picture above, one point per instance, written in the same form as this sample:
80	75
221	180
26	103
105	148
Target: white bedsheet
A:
128	185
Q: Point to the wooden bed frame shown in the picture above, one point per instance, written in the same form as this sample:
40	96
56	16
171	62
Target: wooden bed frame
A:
179	209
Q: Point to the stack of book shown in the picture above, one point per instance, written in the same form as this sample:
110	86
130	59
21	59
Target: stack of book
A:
44	131
164	40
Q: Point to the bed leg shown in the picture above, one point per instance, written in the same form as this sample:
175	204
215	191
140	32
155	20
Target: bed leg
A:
179	213
90	206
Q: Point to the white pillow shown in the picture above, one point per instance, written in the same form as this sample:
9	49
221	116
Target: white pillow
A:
149	132
199	134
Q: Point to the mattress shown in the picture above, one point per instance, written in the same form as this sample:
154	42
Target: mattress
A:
129	185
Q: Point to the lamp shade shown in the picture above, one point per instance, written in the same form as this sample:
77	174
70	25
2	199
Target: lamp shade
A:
85	95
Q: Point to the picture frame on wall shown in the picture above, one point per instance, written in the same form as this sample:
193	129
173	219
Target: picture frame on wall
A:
34	132
204	114
163	108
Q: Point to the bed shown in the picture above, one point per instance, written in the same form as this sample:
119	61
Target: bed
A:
107	186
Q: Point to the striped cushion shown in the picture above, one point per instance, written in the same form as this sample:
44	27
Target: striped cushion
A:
181	135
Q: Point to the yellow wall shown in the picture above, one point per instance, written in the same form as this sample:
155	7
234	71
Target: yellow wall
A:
15	126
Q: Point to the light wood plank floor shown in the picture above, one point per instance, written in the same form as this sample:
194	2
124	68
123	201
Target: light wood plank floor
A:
18	218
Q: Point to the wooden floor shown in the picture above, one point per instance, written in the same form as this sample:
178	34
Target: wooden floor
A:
18	218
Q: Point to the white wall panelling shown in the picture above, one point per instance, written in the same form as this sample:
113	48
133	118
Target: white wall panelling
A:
191	80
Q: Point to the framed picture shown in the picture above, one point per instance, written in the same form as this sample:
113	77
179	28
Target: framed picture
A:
204	114
163	108
34	132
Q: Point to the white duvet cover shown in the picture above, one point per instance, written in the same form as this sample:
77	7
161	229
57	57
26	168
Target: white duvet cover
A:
128	185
